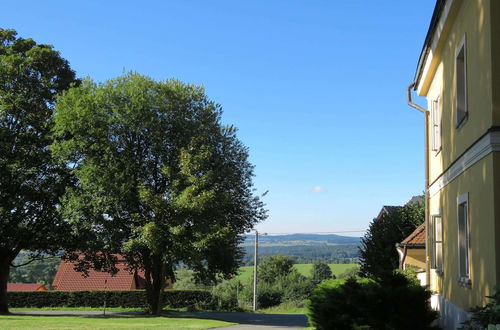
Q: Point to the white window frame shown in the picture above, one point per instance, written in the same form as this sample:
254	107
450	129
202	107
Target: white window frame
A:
437	243
461	121
464	254
436	132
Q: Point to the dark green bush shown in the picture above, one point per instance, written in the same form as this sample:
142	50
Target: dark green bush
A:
482	316
127	299
392	303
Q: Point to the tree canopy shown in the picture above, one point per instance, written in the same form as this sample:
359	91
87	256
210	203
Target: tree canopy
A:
274	267
321	272
159	179
378	255
31	181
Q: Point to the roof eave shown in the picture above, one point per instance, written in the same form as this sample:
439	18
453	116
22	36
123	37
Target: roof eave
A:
438	10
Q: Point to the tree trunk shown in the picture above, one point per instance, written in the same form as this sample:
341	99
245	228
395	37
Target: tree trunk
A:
4	279
155	284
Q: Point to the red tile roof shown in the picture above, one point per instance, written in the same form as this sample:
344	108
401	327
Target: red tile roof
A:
417	238
67	279
26	287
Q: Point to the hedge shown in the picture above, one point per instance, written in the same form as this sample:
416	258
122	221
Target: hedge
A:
126	299
390	303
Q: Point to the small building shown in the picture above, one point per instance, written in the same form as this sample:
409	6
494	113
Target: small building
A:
26	287
412	253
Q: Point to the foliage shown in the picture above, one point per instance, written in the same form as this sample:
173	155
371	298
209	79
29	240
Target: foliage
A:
391	303
272	268
320	272
279	283
227	295
159	179
378	255
39	271
349	273
294	287
31	181
185	280
126	299
410	273
482	316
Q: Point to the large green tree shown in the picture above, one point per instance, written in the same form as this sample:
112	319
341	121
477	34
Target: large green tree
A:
275	267
378	255
320	272
31	182
160	179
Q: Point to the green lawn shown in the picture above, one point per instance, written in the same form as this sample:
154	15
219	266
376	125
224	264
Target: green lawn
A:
114	322
305	269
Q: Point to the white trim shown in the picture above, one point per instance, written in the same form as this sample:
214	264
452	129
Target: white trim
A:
434	44
488	144
450	316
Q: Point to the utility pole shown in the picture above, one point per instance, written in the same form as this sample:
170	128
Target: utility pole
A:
255	256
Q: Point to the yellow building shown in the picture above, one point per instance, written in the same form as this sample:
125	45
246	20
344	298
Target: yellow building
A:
459	75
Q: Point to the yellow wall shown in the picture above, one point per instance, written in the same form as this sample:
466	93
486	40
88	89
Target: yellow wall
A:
415	257
495	54
473	20
477	181
479	21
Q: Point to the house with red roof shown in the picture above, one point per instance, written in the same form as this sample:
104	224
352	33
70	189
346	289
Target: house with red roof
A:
26	287
412	252
68	279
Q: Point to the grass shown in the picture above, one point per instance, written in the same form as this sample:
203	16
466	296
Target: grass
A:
305	269
283	309
114	322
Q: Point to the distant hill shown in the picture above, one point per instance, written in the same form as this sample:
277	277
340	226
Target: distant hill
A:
302	239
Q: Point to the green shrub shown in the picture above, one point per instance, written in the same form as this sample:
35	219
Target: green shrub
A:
349	273
392	303
227	295
126	299
482	316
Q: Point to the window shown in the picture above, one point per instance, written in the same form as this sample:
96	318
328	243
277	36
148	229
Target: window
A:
461	83
436	124
437	243
464	239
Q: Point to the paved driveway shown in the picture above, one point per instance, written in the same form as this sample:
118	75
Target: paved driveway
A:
255	320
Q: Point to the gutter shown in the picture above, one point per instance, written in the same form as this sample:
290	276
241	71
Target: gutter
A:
427	197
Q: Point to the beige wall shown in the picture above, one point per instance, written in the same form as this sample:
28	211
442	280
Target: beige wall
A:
415	257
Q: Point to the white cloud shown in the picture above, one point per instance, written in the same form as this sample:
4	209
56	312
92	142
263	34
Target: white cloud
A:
319	189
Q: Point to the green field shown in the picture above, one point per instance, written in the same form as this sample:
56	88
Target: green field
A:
114	322
305	269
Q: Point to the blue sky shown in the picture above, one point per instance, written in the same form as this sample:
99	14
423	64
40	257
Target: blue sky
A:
316	87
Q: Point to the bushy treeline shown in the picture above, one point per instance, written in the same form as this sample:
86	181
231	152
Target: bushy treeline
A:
39	271
308	254
126	299
279	283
